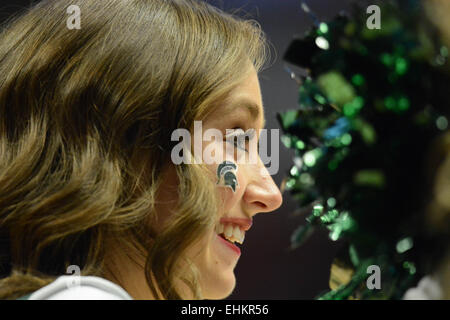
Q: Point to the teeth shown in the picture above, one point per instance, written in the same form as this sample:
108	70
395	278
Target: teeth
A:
219	228
232	233
237	233
228	231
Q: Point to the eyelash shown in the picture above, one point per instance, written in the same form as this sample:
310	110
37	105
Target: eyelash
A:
239	139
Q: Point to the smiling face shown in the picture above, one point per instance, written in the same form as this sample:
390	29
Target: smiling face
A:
255	190
214	257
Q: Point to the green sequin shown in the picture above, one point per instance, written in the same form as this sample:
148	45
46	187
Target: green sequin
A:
442	123
358	80
401	66
323	28
404	245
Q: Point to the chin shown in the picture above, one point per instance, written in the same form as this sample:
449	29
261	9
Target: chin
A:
220	288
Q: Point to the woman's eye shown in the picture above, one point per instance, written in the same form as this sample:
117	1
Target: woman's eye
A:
239	138
241	142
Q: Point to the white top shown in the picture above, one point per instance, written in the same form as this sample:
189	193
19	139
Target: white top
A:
80	288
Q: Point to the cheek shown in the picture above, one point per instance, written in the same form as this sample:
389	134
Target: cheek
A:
228	173
230	197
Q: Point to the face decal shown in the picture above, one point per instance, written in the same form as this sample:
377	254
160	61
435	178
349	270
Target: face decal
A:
226	175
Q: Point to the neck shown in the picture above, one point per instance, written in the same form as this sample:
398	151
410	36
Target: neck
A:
127	270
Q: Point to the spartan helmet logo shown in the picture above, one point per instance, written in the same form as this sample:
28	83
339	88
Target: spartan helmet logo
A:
226	174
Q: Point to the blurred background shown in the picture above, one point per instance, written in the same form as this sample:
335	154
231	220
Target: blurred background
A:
268	269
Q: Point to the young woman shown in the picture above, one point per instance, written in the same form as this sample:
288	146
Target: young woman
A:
86	175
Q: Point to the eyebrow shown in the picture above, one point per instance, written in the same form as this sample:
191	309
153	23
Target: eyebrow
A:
248	105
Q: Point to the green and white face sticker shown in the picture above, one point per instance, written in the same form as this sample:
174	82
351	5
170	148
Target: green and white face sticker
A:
226	175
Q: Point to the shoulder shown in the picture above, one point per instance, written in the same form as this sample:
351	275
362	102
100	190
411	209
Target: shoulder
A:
80	288
428	288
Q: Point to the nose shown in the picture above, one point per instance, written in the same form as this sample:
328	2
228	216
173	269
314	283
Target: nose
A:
261	193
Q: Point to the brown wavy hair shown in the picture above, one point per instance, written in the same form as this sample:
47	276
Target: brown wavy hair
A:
437	218
86	117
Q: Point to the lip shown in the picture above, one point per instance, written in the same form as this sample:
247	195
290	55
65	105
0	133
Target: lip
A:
245	224
229	245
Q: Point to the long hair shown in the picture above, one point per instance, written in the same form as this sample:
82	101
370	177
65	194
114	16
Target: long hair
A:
86	117
437	218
